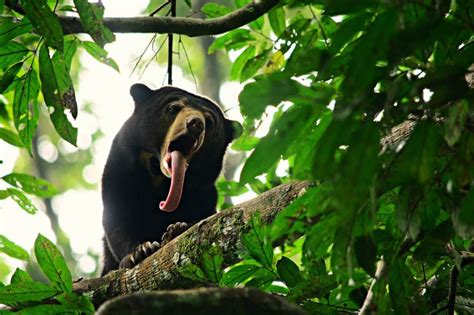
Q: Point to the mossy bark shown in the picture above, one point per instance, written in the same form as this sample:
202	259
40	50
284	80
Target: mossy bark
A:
224	229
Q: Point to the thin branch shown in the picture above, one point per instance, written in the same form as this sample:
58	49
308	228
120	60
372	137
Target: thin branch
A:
179	25
369	299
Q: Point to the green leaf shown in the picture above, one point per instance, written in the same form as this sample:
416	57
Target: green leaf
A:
289	272
31	184
10	137
238	274
232	40
26	292
281	135
92	15
45	22
348	29
463	219
212	264
257	24
9	75
25	107
372	47
402	286
366	251
76	302
12	249
100	54
213	10
239	63
4	194
253	65
416	161
408	218
454	125
257	243
22	200
276	16
11	28
193	272
46	309
20	276
11	53
266	90
324	158
338	7
245	143
53	264
58	92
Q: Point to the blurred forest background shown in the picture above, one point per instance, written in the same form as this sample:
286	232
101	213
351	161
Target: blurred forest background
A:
371	100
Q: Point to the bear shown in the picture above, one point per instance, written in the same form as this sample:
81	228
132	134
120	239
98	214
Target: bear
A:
160	172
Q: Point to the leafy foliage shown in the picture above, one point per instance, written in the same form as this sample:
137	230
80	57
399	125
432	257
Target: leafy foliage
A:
29	296
371	100
347	74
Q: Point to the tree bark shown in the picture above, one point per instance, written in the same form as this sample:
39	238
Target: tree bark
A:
224	229
200	301
178	25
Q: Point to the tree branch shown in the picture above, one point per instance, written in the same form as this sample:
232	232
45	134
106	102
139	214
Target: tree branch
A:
200	301
179	25
224	229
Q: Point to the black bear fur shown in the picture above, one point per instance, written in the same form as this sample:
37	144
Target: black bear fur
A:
133	184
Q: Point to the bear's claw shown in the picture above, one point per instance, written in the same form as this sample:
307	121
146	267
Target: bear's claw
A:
174	230
142	251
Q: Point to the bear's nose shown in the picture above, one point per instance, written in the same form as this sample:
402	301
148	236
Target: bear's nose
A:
195	126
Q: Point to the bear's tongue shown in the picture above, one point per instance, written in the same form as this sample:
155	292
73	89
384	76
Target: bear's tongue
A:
178	168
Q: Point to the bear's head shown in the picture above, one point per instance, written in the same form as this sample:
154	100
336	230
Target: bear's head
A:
184	134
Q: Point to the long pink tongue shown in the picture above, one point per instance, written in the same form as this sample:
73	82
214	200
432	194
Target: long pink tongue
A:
178	168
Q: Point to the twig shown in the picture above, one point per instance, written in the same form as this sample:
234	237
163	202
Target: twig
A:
159	8
369	299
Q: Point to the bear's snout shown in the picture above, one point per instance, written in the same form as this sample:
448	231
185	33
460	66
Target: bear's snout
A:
195	126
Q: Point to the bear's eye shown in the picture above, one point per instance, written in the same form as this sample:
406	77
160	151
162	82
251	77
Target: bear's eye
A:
173	109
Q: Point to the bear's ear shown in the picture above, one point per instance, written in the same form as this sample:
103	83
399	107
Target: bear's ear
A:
233	129
140	93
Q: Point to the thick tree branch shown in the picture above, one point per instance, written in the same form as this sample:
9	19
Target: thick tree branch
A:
224	229
185	26
200	301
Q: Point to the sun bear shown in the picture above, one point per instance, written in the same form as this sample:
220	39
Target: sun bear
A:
161	171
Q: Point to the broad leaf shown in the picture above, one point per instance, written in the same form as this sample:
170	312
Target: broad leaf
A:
232	40
25	292
213	10
257	243
212	264
23	201
25	107
239	63
53	264
11	53
9	75
289	272
11	28
10	137
276	16
92	15
266	90
58	92
193	272
12	249
20	276
464	218
100	54
253	65
238	274
31	184
366	251
76	302
45	22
